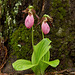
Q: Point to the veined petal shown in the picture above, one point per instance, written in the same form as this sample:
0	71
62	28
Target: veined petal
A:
29	21
45	27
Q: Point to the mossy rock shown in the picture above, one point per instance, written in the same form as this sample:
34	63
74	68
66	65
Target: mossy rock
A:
21	41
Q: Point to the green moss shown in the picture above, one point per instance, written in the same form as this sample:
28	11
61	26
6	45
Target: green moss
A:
21	36
58	9
21	41
62	33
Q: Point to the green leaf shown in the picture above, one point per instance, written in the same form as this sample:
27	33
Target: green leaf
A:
40	50
22	64
53	63
43	65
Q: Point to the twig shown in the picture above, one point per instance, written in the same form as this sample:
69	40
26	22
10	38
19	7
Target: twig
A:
70	70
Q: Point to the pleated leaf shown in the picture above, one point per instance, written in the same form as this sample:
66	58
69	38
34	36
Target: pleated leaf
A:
53	63
40	50
43	65
39	53
22	64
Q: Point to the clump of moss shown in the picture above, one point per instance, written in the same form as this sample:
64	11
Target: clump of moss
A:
62	33
59	32
21	41
58	10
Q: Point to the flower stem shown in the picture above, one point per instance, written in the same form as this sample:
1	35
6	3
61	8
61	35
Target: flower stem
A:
43	35
32	37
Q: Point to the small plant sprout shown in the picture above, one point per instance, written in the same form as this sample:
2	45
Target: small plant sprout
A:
40	59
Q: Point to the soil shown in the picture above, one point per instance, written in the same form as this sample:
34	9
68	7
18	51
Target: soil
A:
3	54
9	69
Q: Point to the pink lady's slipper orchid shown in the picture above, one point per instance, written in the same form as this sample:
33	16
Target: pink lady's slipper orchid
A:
29	21
45	28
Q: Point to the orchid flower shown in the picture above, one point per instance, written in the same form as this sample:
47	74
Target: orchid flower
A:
29	21
45	27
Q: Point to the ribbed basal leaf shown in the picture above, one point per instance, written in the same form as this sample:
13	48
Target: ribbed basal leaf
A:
39	66
40	53
22	64
53	63
40	50
43	65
